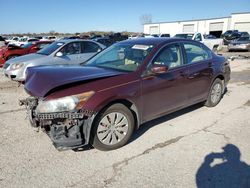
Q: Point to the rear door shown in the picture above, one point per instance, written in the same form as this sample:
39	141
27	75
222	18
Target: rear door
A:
164	92
89	49
199	62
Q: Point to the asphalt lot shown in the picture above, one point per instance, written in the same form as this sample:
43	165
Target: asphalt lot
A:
173	151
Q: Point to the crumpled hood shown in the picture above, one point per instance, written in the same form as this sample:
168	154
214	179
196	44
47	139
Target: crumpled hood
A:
41	80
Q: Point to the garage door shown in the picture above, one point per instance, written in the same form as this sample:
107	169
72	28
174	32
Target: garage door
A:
218	26
154	30
188	28
243	26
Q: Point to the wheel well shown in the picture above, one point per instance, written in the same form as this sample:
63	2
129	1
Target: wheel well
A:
216	46
220	77
126	103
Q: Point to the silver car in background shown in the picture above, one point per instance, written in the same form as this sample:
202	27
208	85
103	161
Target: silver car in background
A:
59	52
243	43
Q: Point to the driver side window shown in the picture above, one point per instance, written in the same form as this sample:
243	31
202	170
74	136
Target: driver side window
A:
198	37
72	48
169	56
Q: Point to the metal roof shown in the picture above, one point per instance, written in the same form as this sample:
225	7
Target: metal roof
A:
196	19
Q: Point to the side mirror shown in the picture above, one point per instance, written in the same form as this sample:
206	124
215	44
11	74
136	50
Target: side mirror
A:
59	54
99	50
197	39
159	69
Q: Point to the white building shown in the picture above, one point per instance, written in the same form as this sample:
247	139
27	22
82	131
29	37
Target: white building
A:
215	26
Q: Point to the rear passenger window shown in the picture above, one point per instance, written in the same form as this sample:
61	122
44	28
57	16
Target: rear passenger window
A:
170	56
196	53
90	47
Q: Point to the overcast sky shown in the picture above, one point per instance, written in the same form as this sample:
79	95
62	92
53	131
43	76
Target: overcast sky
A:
21	16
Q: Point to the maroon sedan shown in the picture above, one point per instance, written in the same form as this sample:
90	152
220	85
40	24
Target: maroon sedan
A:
103	101
12	51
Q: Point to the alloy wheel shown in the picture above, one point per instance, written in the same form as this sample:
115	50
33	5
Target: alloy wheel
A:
216	93
112	128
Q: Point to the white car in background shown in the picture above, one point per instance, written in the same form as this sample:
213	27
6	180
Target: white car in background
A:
23	40
213	44
49	38
12	40
26	41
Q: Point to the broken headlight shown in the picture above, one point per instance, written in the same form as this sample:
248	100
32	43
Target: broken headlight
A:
64	104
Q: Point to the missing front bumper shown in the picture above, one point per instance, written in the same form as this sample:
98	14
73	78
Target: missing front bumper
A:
67	130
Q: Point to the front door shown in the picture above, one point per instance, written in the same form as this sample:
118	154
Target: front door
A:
71	54
165	92
200	71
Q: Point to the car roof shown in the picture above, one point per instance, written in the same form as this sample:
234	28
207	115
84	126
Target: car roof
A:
72	40
153	41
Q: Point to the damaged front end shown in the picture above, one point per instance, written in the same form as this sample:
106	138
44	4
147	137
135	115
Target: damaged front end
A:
67	130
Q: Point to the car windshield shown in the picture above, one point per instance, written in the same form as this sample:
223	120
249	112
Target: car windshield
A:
23	39
185	36
121	57
244	39
27	45
209	37
50	48
244	34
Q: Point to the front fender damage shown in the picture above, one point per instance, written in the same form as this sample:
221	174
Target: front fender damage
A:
67	130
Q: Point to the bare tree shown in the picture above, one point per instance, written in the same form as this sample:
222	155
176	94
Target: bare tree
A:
146	18
51	32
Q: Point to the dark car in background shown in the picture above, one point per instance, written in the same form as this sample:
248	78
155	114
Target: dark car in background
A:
209	36
164	35
110	39
231	35
244	34
13	51
2	42
105	99
106	41
228	33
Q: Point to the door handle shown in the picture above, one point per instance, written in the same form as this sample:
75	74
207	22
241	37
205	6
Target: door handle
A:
192	76
210	64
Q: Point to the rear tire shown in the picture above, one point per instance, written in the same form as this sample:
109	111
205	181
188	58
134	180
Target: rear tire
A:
215	93
112	128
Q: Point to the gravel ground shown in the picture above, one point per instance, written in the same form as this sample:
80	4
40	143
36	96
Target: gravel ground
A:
174	151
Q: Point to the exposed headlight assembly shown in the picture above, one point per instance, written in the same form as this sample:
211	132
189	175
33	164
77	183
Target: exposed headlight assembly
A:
64	104
16	66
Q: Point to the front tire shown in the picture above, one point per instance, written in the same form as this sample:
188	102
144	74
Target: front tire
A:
215	93
112	128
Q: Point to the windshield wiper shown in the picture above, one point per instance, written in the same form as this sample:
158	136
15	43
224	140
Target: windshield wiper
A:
41	53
